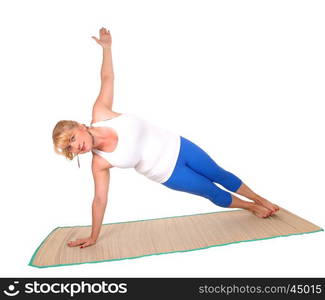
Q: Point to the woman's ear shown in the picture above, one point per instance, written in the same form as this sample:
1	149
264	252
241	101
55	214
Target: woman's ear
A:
84	127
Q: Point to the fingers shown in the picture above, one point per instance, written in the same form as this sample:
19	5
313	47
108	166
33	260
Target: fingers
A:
76	242
86	244
96	39
81	242
103	30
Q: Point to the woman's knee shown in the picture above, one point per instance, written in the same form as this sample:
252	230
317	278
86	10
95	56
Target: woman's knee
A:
221	198
230	181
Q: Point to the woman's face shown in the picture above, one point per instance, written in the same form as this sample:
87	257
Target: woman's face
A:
80	140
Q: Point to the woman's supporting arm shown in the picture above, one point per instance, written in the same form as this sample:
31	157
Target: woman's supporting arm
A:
101	181
98	211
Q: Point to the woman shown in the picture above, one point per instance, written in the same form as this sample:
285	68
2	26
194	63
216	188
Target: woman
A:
125	141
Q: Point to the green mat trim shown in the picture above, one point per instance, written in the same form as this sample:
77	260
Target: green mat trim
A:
115	259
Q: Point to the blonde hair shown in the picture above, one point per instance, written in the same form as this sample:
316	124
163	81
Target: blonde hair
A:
61	137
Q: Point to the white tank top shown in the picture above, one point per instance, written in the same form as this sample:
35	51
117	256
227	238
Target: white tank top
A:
151	150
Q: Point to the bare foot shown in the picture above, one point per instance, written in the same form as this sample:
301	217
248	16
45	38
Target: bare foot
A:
260	211
267	204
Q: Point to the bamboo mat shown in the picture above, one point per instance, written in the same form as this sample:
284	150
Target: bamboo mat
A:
165	235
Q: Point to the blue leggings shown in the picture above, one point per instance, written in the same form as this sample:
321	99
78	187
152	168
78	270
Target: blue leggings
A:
195	172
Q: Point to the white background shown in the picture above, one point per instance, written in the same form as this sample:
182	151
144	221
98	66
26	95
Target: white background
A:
242	79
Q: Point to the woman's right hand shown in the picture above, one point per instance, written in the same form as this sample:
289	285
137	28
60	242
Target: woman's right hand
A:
105	39
83	243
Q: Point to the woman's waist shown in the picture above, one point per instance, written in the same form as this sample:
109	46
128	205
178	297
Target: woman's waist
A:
159	154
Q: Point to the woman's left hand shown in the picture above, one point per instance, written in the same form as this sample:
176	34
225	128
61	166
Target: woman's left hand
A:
85	242
105	39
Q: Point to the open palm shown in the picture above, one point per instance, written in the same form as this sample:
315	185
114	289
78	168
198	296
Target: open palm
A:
105	39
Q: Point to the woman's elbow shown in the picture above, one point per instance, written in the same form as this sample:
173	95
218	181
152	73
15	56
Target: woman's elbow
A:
100	201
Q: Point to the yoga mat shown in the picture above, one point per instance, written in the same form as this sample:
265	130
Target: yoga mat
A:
166	235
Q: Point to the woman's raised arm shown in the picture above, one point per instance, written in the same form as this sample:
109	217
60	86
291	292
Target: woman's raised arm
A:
105	97
105	40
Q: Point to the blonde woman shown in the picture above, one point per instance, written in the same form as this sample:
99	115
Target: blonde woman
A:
124	140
